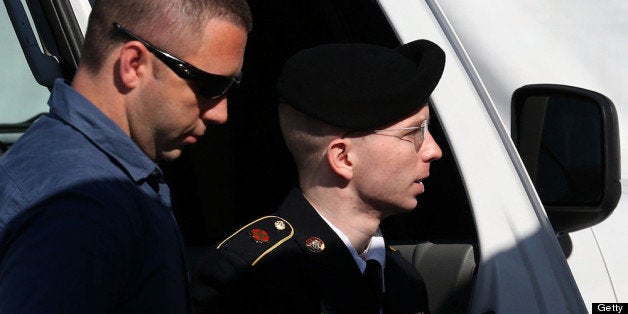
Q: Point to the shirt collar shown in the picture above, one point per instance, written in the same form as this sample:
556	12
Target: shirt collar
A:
84	116
375	250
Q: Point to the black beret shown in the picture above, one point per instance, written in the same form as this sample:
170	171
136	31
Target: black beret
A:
361	86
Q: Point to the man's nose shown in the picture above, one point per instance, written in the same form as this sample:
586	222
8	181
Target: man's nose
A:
430	150
216	112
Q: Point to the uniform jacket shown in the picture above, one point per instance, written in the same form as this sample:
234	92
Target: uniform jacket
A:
276	265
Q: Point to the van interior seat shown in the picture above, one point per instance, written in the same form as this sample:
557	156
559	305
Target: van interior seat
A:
448	270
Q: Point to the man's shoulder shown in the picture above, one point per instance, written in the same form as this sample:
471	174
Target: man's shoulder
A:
49	142
257	268
52	163
258	239
52	153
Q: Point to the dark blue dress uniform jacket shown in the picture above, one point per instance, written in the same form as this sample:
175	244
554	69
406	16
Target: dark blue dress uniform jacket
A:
283	276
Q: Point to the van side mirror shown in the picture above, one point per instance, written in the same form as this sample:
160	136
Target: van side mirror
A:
568	139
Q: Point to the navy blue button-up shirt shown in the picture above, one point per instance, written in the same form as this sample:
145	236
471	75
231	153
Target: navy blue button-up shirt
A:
85	220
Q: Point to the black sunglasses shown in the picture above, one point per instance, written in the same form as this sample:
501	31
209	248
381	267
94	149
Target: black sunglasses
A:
208	85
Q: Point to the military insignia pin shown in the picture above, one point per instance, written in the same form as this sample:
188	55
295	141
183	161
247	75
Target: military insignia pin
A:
259	235
315	244
280	225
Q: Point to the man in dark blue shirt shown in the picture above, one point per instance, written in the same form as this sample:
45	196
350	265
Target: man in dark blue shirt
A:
85	218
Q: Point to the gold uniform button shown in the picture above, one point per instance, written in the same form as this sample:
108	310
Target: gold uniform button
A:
280	225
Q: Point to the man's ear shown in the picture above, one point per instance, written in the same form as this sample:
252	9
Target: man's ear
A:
339	159
133	63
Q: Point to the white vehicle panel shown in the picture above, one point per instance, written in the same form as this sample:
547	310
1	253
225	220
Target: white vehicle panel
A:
81	9
593	280
521	267
612	237
577	43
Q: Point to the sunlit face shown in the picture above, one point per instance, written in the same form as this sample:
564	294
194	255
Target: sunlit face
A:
389	170
173	114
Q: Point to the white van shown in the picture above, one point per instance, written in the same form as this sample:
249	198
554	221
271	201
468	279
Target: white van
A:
529	114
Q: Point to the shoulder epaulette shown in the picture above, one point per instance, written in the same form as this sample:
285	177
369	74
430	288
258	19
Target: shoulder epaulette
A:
255	240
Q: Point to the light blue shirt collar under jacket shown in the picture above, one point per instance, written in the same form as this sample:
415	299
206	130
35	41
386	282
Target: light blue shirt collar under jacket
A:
375	250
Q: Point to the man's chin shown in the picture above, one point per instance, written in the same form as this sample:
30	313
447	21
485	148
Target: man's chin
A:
395	209
170	155
405	209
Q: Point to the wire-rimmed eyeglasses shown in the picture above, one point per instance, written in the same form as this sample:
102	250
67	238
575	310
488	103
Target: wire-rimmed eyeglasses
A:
415	134
208	85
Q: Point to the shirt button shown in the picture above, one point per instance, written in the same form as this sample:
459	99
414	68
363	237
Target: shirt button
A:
156	173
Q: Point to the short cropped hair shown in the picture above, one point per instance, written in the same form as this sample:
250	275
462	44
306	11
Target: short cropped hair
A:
168	24
306	138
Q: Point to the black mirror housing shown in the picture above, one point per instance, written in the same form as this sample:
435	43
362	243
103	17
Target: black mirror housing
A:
568	139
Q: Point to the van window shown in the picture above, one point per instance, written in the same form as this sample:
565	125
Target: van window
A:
243	170
21	98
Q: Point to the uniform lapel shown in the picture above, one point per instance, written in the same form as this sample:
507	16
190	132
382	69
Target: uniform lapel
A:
332	269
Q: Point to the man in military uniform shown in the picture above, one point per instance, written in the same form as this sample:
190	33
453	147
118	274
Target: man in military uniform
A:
355	118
